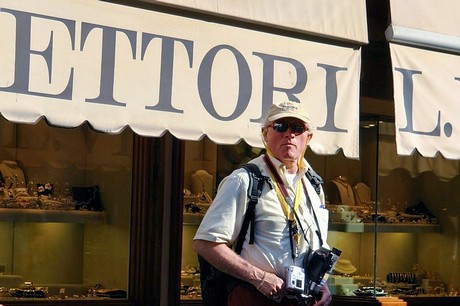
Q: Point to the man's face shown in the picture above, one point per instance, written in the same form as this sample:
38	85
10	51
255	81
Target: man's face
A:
287	144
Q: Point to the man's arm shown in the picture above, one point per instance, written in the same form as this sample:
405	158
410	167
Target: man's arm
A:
227	261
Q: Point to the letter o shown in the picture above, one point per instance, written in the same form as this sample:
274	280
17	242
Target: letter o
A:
244	83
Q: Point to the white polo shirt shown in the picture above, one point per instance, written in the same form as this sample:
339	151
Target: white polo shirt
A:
272	249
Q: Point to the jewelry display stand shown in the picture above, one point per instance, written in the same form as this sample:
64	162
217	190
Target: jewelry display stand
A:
344	190
12	174
202	181
197	202
362	194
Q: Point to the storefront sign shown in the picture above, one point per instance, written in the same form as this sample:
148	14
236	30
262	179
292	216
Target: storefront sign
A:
426	77
116	66
427	95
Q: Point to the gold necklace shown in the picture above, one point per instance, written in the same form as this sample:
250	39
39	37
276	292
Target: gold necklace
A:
203	182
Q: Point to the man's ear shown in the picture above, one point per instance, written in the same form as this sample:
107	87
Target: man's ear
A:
309	137
264	133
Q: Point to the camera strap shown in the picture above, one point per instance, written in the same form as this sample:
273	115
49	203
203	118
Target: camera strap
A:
317	231
289	208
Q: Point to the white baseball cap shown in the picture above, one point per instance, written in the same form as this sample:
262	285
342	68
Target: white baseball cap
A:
287	109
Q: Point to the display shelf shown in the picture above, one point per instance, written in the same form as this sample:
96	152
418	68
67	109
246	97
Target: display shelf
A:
64	216
67	302
384	228
195	219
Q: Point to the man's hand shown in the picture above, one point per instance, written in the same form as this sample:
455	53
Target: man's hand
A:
271	286
227	261
325	296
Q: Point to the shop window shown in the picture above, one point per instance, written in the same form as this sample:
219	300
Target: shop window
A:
65	212
395	218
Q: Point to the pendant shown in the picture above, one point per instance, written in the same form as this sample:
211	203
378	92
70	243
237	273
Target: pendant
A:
295	231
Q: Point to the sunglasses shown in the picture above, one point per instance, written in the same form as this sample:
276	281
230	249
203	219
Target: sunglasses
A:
282	127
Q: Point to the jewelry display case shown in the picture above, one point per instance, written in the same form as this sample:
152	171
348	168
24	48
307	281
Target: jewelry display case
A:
397	226
56	246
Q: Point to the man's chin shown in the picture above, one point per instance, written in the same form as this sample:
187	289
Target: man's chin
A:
289	159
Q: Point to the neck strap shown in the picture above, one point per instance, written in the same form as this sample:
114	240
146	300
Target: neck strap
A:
318	232
289	208
291	214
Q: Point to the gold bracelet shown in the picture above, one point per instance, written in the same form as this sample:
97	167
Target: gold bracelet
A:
262	281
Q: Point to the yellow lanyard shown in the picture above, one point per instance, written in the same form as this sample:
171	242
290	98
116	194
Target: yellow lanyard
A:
290	208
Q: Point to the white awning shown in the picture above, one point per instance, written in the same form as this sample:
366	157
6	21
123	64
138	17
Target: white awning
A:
117	66
424	41
344	19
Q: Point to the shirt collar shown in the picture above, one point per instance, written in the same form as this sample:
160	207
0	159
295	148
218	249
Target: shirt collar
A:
282	168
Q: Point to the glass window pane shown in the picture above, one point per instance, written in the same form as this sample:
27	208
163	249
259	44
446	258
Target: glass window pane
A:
65	210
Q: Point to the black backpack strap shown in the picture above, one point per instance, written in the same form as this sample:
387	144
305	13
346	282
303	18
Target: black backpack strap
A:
256	184
314	179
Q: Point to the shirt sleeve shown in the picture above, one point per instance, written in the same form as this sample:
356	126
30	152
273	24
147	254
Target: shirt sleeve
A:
223	220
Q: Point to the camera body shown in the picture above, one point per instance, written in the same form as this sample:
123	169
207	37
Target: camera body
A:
303	283
295	280
318	266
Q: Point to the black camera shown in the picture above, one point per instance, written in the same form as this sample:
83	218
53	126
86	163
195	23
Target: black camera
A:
318	266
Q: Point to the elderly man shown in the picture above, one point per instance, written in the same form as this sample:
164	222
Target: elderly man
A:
290	220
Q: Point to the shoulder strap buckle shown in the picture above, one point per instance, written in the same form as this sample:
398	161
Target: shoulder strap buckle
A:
314	179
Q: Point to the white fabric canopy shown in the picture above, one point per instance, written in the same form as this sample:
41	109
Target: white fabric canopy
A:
345	19
426	77
116	66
